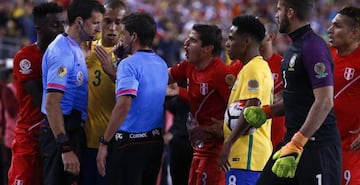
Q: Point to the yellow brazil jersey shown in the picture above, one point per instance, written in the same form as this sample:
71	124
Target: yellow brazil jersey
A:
251	152
101	98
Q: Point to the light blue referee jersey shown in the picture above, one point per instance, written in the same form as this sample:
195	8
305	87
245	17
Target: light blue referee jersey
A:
144	76
64	70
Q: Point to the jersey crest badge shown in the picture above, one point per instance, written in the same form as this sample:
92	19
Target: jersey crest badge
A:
79	78
253	85
25	66
204	88
320	70
349	73
292	63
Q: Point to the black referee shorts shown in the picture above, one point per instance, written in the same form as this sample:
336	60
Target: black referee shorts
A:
135	158
53	168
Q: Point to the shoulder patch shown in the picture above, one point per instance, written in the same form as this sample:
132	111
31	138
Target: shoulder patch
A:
320	70
230	79
25	66
253	85
62	71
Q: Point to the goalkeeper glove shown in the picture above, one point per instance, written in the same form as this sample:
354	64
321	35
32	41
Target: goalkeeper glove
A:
256	116
287	158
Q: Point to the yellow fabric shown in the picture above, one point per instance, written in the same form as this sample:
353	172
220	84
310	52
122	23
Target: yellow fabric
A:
251	152
101	98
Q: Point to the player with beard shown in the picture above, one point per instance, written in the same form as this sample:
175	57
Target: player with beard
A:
26	164
65	95
344	39
310	152
101	65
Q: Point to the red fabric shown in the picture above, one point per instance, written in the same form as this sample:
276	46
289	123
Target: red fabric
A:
206	171
235	67
350	168
278	128
28	113
346	69
26	162
10	106
208	93
200	84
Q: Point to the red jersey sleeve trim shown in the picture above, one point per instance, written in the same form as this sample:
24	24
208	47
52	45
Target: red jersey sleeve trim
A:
127	92
55	86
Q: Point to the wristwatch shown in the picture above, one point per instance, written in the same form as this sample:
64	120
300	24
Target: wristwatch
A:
62	138
63	141
102	140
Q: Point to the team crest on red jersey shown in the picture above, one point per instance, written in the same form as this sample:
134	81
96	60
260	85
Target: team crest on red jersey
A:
204	88
349	73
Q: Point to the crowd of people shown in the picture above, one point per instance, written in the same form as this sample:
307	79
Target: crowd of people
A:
86	99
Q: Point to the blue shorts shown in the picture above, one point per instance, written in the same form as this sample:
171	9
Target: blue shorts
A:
241	177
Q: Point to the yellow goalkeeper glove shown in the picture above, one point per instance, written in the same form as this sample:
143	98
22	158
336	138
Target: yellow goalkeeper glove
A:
287	158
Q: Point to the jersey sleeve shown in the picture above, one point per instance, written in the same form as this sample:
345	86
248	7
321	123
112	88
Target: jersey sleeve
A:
126	81
225	81
318	64
25	67
253	81
58	71
178	72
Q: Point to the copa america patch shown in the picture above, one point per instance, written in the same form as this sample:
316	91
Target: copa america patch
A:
25	66
320	70
62	71
230	79
253	85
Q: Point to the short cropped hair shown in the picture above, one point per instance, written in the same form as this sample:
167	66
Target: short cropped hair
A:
83	9
116	4
143	25
248	24
210	35
302	8
39	12
353	13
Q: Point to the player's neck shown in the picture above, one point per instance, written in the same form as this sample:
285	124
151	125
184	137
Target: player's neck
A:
347	50
267	53
203	63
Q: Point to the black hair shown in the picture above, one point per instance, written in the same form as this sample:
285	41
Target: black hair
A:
210	35
248	24
143	25
302	8
40	11
83	9
353	13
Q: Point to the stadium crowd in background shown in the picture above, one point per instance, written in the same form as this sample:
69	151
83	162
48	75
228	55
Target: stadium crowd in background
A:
175	20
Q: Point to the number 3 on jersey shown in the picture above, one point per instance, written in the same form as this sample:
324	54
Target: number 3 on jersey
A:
97	81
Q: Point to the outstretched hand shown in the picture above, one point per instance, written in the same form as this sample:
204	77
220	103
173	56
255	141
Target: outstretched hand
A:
172	90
